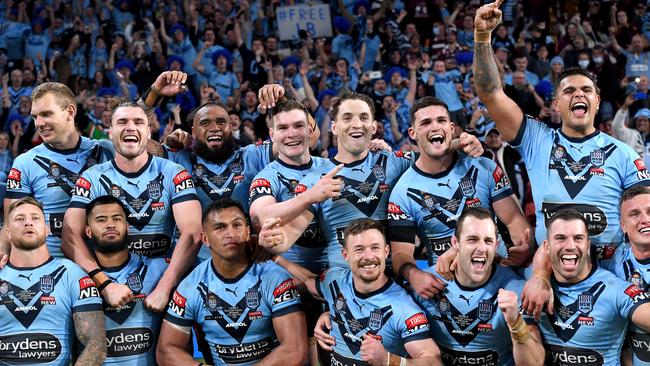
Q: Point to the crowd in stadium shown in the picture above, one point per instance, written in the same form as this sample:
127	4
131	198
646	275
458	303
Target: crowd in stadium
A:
436	182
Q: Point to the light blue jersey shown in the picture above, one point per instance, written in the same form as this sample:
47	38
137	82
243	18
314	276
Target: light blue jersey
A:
36	308
148	196
586	174
236	315
429	205
49	175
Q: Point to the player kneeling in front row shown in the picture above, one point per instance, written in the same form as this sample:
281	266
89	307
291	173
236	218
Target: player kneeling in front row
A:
42	299
249	312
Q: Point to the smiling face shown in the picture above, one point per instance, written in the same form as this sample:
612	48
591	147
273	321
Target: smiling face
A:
433	131
567	246
635	219
577	101
366	252
354	126
53	123
290	133
476	247
129	131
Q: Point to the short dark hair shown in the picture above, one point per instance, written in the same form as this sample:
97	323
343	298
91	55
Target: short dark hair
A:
566	214
288	105
222	204
425	102
480	213
630	193
113	104
358	226
102	201
350	95
575	71
206	105
29	200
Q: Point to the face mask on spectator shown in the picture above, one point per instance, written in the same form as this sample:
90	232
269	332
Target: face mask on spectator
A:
583	63
598	60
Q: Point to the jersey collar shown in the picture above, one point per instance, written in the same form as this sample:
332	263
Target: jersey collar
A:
594	267
470	288
578	139
65	151
439	175
373	293
30	268
230	280
114	268
354	163
136	174
297	167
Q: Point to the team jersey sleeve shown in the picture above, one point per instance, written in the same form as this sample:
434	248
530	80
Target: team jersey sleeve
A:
414	324
108	150
18	181
181	308
256	157
323	281
182	184
499	184
636	172
282	291
401	225
85	296
628	297
404	160
85	190
265	184
531	133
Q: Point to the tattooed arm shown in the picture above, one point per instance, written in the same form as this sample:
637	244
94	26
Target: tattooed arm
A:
89	327
505	112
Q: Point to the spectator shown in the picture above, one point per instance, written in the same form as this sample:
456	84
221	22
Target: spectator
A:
521	64
447	86
524	94
634	134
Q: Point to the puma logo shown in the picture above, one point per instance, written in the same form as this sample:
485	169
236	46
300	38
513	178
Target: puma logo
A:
444	184
462	297
234	292
28	277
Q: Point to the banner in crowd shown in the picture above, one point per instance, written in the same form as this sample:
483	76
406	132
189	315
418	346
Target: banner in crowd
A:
314	19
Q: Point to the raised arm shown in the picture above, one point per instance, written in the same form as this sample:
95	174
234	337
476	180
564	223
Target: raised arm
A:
505	112
197	61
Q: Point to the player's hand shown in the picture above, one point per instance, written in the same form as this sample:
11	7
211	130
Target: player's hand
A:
327	187
272	236
425	284
507	301
379	144
157	300
535	294
322	332
4	259
269	94
488	16
470	145
372	351
178	139
518	256
117	295
446	264
170	83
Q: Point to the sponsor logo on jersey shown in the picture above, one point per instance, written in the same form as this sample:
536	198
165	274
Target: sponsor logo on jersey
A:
585	302
636	294
29	348
154	190
87	288
129	341
565	356
82	187
286	291
154	245
253	298
300	188
260	186
244	352
585	320
47	284
483	358
182	181
500	178
13	180
485	310
177	305
640	343
395	212
596	218
597	157
416	322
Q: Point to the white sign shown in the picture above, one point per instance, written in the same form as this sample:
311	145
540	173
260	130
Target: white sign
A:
315	19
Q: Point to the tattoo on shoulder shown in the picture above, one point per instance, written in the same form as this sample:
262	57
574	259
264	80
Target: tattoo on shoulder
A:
89	327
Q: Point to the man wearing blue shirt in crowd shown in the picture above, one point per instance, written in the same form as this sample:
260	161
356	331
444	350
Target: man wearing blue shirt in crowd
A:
131	329
249	312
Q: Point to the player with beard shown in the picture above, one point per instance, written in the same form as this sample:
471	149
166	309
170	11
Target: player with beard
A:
131	330
45	302
434	192
373	320
158	194
359	190
588	170
249	312
470	302
631	262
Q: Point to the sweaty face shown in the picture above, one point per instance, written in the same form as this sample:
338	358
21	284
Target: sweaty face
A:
476	247
107	228
227	233
568	248
53	123
577	102
433	131
290	133
354	126
366	253
213	138
129	131
27	229
635	219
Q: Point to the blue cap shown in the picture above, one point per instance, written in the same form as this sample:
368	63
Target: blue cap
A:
221	52
104	91
14	117
173	58
322	94
395	69
178	27
291	60
125	63
643	112
557	60
342	24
